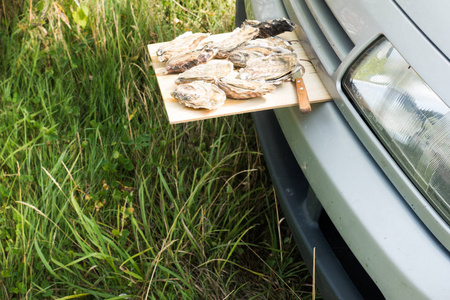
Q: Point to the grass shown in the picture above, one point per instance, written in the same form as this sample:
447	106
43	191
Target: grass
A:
101	198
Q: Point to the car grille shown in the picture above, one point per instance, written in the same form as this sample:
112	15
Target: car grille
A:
321	31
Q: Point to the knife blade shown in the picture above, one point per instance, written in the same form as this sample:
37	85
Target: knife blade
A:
300	88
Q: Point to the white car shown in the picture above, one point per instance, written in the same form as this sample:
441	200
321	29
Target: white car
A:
365	178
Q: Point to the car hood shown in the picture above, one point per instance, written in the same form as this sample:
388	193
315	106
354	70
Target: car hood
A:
432	18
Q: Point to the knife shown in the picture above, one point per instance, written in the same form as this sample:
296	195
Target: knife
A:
302	95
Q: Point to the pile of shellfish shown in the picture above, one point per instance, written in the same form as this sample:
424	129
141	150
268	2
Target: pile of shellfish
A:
248	63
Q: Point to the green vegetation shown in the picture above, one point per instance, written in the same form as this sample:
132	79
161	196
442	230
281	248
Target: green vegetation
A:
101	198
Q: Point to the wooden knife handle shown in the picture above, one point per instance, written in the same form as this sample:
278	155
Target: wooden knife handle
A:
302	96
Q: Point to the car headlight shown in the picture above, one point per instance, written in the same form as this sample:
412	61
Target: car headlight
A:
412	122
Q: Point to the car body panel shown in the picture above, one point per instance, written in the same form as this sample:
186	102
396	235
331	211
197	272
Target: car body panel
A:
430	65
437	30
318	53
383	232
372	203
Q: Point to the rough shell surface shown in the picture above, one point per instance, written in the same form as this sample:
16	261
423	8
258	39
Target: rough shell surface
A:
184	61
275	68
273	41
271	27
199	94
208	72
243	89
186	42
237	38
239	57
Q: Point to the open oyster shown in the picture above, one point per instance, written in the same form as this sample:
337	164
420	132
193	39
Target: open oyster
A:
239	57
208	72
199	94
271	27
238	37
186	42
184	61
274	68
243	89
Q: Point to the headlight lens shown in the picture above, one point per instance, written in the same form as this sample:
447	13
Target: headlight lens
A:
409	118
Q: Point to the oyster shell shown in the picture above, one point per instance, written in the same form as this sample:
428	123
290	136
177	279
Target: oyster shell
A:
274	68
239	57
208	72
199	94
243	89
184	61
186	42
273	41
238	37
270	27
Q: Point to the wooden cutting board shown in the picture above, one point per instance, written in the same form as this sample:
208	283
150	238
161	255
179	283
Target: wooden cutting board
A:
284	96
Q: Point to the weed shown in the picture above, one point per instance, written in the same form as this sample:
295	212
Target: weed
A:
100	198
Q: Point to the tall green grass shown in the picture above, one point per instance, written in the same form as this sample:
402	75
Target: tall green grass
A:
100	197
